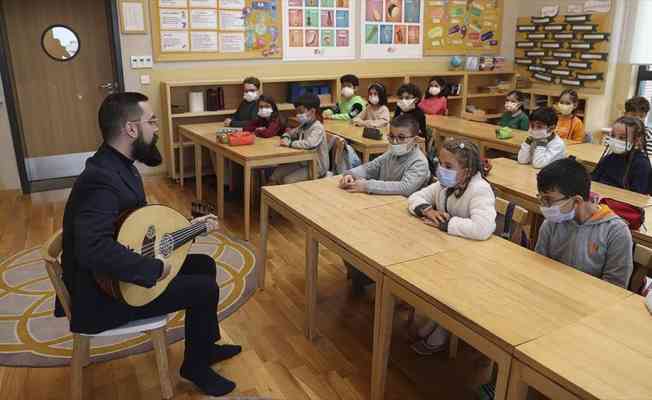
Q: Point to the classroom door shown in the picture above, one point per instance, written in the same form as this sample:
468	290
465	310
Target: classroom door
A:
62	59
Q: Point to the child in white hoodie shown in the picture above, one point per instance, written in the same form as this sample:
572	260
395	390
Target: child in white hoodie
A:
461	203
543	146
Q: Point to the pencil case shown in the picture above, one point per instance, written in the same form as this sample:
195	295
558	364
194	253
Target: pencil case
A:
241	139
504	133
372	133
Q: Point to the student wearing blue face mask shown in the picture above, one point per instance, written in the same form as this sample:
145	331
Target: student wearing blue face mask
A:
577	232
461	203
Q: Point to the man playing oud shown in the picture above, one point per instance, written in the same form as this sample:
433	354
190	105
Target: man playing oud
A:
109	186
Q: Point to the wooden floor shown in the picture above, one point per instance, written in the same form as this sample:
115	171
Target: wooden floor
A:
277	360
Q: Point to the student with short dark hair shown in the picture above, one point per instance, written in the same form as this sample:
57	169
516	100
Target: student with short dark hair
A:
409	97
248	109
515	116
543	146
626	165
639	107
402	170
577	232
309	135
350	105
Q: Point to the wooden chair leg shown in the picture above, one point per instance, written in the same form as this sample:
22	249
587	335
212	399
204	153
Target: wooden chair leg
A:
161	352
80	350
452	346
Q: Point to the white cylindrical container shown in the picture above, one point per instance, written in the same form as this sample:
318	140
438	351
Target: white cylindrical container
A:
196	102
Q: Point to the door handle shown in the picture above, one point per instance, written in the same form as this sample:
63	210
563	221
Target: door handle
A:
108	86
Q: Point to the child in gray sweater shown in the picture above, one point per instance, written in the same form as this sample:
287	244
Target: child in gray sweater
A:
577	232
400	171
309	135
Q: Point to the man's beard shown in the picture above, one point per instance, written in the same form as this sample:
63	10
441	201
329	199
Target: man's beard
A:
147	154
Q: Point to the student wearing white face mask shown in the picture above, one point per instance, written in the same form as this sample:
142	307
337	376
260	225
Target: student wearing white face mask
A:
309	135
436	100
247	110
514	116
376	115
269	123
625	163
350	105
461	203
402	170
577	232
409	97
569	126
543	146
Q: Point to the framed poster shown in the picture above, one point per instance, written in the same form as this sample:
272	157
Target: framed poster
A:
192	30
319	29
392	28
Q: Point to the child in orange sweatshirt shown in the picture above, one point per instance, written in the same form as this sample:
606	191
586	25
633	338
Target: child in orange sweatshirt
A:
569	126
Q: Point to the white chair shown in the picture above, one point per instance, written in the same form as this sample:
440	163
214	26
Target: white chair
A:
155	327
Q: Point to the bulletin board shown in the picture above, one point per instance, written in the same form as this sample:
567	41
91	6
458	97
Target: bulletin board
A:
564	51
391	28
194	30
319	29
462	27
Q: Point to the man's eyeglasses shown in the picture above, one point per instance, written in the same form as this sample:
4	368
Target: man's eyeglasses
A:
152	121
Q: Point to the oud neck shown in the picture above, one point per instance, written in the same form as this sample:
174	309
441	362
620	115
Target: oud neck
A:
185	235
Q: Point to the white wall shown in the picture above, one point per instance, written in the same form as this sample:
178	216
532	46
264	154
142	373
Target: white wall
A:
142	45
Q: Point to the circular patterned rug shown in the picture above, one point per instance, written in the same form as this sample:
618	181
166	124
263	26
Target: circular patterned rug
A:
30	335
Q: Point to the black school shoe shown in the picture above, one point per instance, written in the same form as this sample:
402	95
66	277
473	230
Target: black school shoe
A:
207	381
224	352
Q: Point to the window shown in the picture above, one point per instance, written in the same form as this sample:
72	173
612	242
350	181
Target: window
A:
644	87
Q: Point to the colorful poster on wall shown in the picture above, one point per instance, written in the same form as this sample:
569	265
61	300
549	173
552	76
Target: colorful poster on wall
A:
392	28
461	26
217	29
319	29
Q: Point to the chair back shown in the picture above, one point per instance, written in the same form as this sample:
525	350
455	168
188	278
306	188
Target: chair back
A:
516	218
51	253
642	268
336	147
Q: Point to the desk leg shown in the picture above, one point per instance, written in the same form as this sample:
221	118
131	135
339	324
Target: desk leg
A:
517	387
198	172
365	157
181	173
384	320
247	200
262	246
312	169
504	368
312	256
219	175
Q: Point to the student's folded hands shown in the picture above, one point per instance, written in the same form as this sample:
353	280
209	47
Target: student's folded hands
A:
357	186
346	181
436	218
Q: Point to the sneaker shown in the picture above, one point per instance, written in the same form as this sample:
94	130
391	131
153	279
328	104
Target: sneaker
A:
424	349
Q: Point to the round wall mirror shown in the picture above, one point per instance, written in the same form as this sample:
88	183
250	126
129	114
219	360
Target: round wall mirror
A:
60	43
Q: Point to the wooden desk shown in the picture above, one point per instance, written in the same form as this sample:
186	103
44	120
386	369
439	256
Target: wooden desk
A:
482	133
518	183
495	295
587	153
353	134
263	153
604	356
369	231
